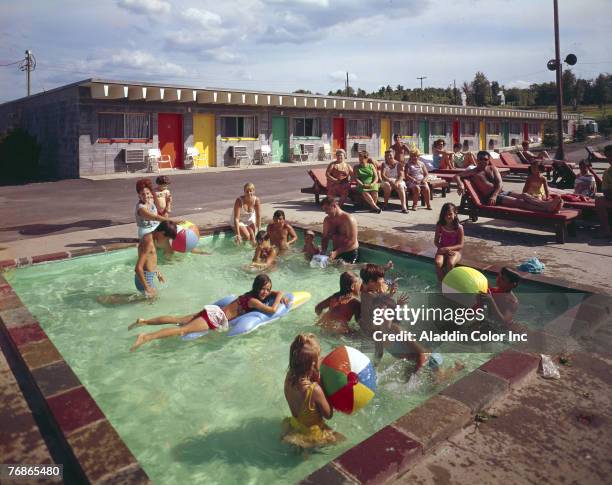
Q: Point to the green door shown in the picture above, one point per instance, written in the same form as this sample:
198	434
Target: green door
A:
506	132
424	135
280	139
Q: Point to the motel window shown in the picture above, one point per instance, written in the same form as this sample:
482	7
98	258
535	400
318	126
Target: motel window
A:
437	128
469	128
534	129
405	128
360	128
493	128
124	125
306	127
239	127
515	128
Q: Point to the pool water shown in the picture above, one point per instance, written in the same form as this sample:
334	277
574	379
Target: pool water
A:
209	411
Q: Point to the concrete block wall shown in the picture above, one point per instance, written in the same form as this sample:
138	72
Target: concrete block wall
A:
52	118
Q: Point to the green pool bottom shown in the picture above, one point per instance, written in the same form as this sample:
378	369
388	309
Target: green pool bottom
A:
209	411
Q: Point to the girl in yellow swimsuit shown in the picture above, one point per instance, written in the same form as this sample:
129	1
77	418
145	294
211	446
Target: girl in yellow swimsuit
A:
307	402
536	185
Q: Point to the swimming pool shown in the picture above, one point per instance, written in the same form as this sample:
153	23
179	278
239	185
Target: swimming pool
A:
207	411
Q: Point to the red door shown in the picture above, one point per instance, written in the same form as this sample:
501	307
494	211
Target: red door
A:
456	132
170	136
339	134
526	131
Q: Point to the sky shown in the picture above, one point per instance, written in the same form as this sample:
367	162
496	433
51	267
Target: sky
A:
284	45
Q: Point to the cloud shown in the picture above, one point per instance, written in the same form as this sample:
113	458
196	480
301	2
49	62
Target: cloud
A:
224	55
145	7
131	62
340	75
518	84
203	18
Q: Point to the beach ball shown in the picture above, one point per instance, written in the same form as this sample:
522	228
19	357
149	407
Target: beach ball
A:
462	283
348	379
186	238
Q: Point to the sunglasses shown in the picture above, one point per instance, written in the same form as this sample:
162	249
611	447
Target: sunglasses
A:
484	159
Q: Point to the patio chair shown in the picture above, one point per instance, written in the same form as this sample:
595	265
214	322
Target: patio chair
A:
563	222
297	155
594	155
325	152
263	155
156	160
193	158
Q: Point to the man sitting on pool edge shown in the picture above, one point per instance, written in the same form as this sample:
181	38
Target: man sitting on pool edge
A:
341	228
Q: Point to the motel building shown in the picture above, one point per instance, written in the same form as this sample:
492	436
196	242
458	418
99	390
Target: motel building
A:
98	126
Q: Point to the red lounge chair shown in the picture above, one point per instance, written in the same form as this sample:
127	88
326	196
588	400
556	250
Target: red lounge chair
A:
319	183
508	160
574	201
594	155
563	221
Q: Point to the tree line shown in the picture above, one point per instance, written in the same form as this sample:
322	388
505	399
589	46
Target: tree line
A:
482	92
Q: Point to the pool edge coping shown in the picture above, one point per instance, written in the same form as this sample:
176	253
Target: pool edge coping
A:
389	453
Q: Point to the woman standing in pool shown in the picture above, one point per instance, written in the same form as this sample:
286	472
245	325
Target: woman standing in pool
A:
246	218
213	317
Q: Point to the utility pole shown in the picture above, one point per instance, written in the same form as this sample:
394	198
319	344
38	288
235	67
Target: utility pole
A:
421	79
347	85
28	65
560	155
454	92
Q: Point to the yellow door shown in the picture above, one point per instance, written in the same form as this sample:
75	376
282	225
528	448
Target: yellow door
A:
205	139
483	135
385	135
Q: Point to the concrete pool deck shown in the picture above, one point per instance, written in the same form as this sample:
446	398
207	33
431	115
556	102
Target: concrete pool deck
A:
510	386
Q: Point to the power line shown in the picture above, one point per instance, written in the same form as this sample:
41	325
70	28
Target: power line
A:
11	63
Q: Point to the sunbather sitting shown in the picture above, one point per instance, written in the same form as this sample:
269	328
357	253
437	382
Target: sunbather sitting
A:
532	157
488	184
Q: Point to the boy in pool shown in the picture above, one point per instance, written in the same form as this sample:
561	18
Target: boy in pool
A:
501	303
310	248
375	295
213	317
282	235
265	253
342	306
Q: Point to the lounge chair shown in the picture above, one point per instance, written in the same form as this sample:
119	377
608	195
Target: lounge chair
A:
594	155
574	201
563	222
319	183
508	160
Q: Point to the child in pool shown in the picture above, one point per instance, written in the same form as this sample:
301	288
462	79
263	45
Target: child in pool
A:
448	239
163	197
282	235
310	248
307	402
342	306
536	185
375	296
213	317
500	301
265	253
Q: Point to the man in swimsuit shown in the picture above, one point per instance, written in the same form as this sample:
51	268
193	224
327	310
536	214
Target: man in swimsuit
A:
399	149
341	228
488	184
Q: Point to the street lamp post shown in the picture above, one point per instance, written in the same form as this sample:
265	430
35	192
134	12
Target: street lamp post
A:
555	65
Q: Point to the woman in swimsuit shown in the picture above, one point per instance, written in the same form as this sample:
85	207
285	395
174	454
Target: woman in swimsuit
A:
213	317
246	218
338	176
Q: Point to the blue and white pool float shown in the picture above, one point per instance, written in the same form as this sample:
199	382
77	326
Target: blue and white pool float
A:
247	322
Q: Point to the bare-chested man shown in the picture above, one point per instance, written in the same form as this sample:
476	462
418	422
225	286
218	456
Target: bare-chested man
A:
282	235
341	228
399	149
488	183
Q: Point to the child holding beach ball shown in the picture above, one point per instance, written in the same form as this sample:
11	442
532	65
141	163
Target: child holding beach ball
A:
309	407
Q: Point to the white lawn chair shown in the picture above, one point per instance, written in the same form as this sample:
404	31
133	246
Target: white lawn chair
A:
263	155
155	159
325	152
193	157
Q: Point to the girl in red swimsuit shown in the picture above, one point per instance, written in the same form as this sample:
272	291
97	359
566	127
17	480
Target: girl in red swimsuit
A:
213	317
448	240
